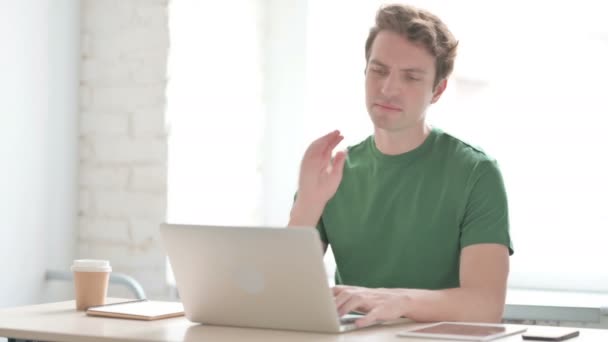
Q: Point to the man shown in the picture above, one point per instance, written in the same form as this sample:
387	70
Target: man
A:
416	218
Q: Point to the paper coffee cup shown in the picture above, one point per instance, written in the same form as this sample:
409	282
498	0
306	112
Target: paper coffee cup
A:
91	279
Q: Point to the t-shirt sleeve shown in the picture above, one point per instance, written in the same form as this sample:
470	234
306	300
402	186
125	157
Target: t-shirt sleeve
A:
486	216
321	229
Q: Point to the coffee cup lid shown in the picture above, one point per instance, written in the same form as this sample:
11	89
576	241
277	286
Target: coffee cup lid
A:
90	265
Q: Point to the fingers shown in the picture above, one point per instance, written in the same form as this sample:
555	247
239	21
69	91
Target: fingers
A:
379	304
351	298
369	319
340	288
347	302
341	297
330	145
323	146
327	138
388	311
338	164
328	135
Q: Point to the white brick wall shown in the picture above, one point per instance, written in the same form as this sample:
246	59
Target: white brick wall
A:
123	145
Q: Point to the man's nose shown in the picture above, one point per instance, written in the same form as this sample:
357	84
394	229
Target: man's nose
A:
391	85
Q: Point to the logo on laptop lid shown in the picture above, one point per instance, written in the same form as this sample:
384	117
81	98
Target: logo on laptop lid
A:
250	280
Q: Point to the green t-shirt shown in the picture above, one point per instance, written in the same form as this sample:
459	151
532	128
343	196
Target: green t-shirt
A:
401	221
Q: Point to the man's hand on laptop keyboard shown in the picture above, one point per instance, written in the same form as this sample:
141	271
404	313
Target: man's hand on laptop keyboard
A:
378	304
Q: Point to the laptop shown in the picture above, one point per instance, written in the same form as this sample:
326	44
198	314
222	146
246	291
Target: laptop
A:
256	277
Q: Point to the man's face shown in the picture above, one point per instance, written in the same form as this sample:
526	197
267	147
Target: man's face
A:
399	82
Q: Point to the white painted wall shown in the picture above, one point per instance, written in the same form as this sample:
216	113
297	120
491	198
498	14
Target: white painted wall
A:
123	144
38	146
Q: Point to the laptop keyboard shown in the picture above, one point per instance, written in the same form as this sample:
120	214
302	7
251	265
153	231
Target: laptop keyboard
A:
348	320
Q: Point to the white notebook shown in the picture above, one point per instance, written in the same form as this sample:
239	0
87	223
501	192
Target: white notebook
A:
139	309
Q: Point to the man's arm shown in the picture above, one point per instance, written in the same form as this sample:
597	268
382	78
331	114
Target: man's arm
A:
306	215
319	179
484	269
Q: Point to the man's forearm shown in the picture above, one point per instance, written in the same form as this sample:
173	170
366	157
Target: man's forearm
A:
305	213
456	304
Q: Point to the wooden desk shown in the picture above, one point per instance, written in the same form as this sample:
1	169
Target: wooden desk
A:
60	322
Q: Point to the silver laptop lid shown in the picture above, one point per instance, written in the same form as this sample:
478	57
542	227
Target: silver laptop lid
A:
251	276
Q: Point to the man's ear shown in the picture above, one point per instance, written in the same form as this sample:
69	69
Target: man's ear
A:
439	89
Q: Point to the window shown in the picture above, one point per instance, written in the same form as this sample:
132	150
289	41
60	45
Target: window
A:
215	113
528	88
247	95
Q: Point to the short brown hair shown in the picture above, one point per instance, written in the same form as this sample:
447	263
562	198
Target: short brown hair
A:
421	27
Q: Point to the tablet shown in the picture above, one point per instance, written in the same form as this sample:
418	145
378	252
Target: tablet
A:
463	331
